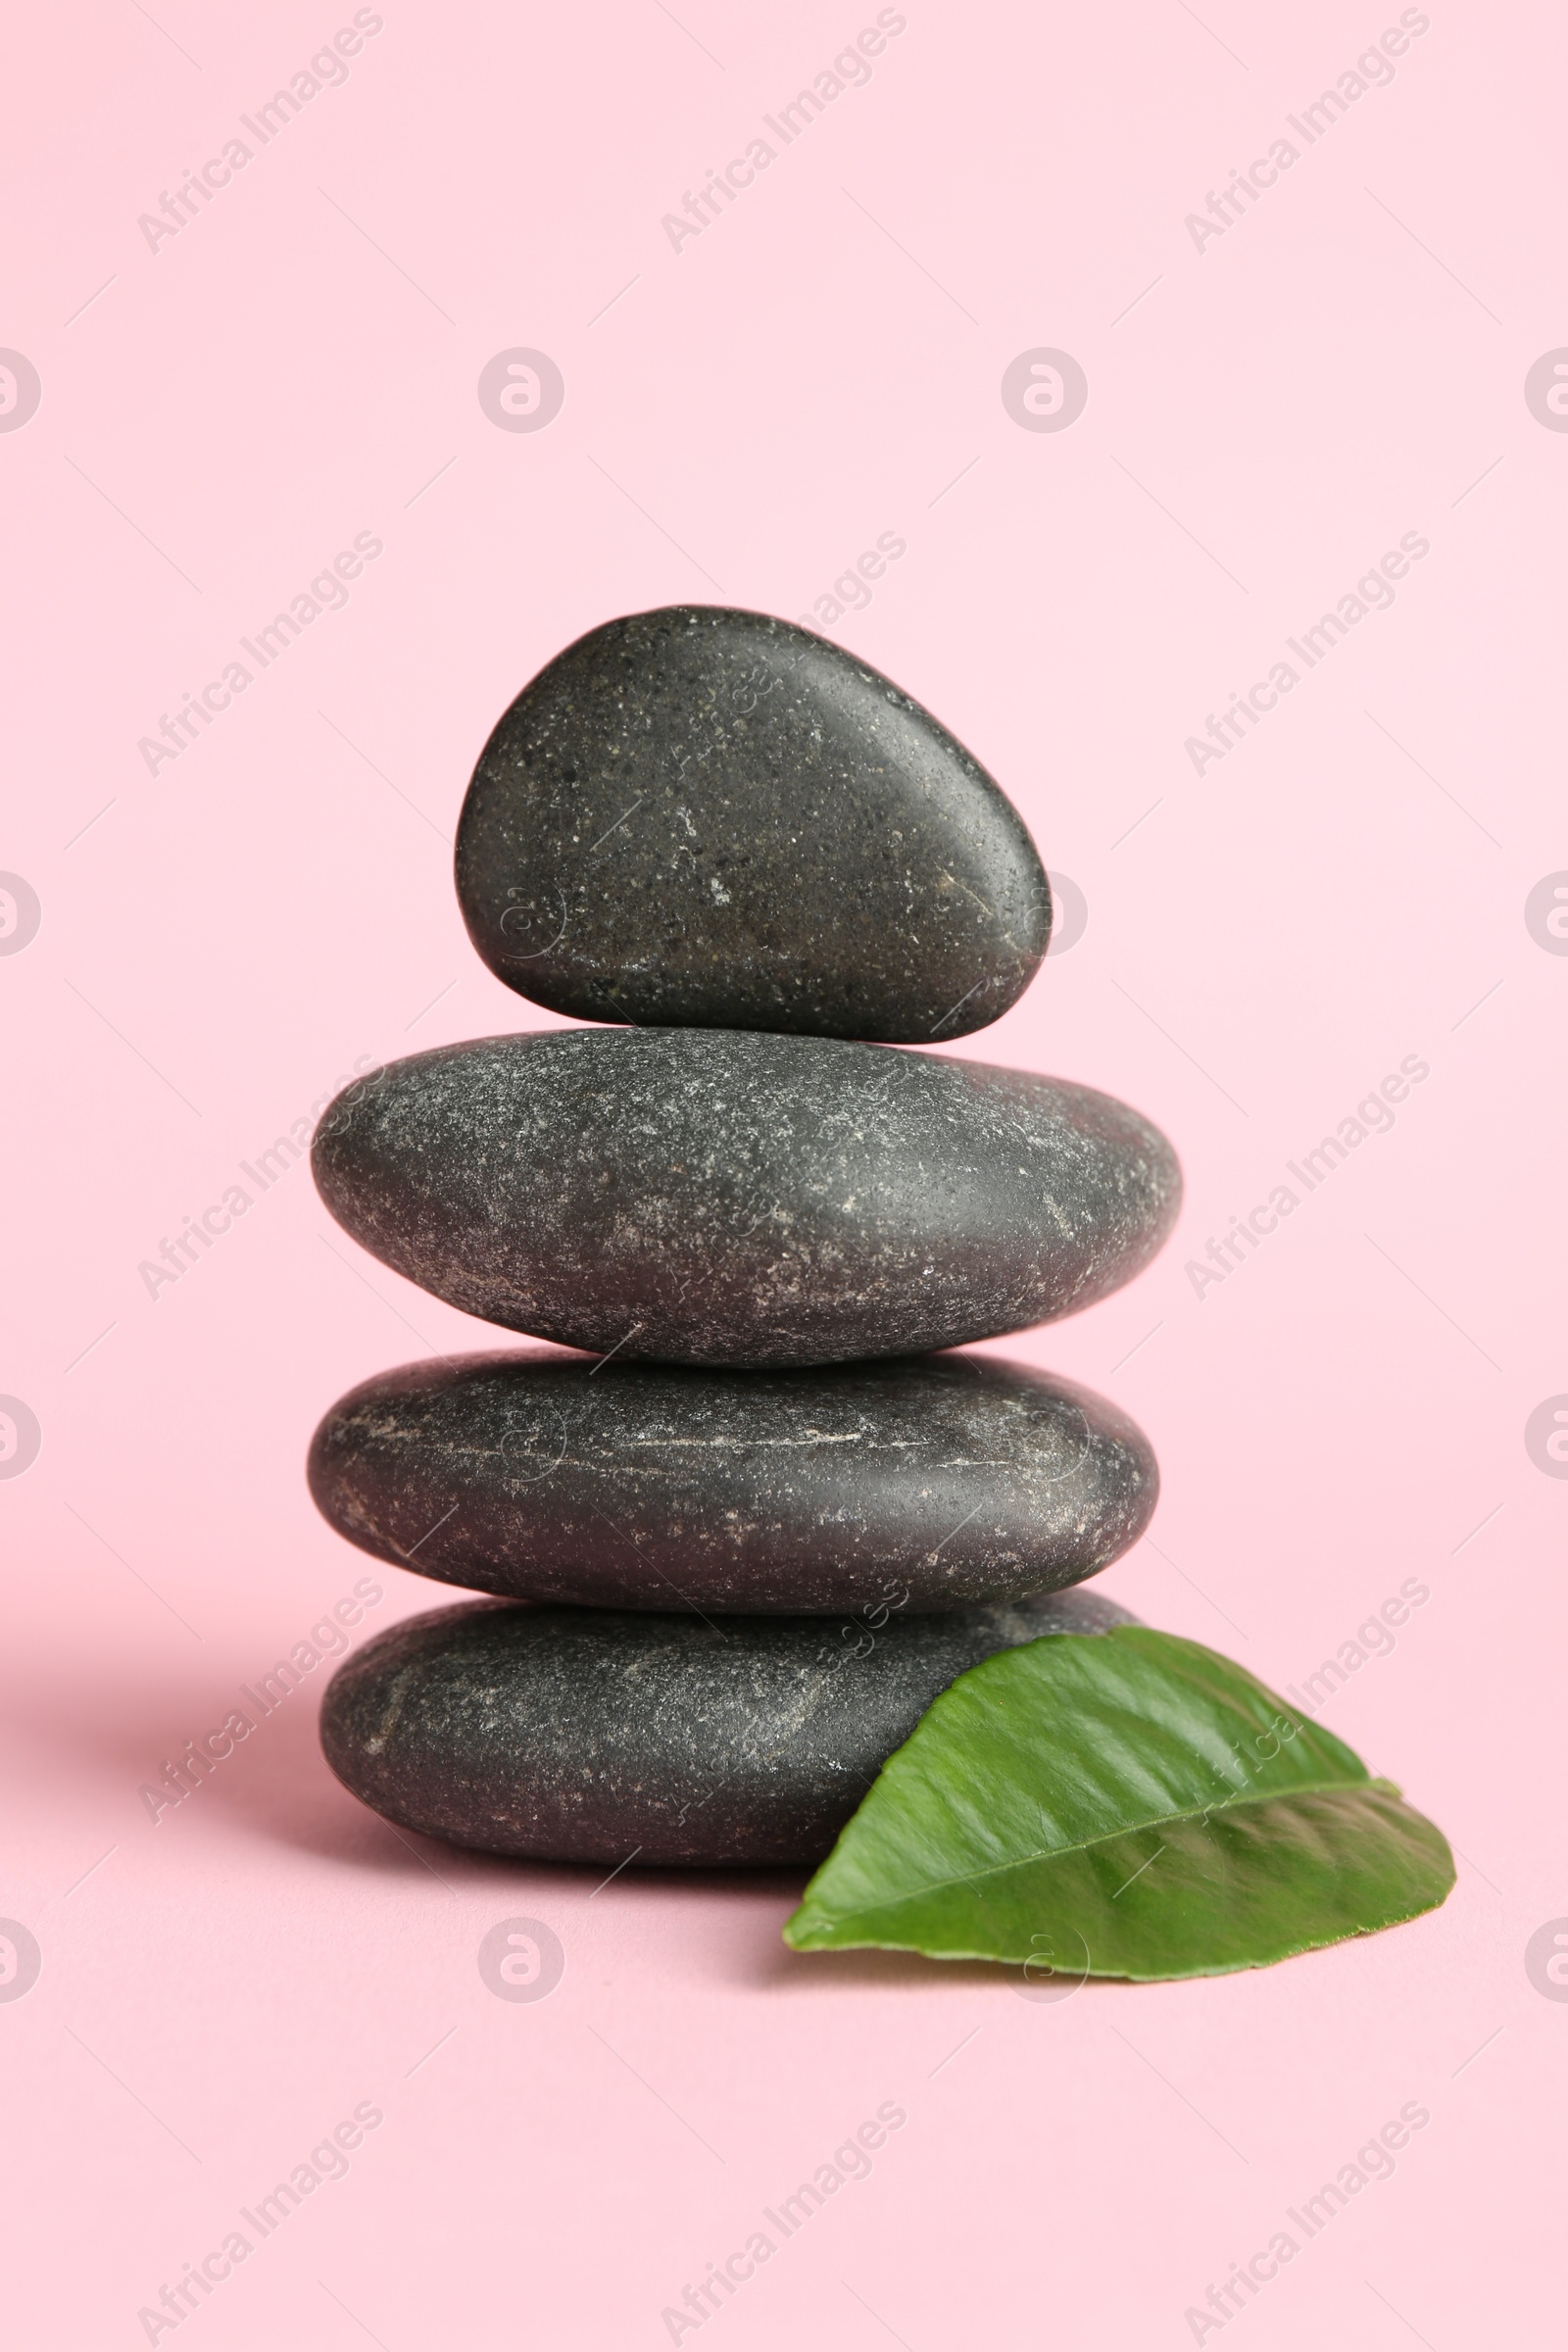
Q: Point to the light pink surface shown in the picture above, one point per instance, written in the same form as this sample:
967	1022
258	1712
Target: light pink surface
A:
1345	364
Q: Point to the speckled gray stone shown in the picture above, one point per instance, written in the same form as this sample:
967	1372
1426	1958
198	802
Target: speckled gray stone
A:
595	1736
918	1482
726	1197
704	816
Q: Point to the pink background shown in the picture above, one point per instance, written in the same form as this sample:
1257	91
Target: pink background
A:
221	940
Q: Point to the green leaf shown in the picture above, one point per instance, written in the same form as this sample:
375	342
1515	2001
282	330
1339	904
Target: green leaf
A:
1120	1804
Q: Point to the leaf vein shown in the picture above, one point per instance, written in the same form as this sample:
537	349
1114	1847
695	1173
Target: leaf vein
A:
1157	1820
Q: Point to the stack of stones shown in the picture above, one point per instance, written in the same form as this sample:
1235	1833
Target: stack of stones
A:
762	1516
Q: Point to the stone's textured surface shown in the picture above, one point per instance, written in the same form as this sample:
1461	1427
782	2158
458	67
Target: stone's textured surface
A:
915	1484
707	817
721	1197
589	1734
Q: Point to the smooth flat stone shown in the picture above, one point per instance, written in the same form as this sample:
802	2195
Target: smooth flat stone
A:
921	1482
726	1196
708	817
585	1734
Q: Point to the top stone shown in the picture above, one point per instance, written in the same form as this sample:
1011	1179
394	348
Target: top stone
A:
703	818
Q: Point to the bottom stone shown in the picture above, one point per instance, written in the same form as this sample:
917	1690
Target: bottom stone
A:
599	1736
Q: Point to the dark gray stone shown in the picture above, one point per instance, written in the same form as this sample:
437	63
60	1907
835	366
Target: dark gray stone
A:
707	817
723	1196
593	1735
916	1484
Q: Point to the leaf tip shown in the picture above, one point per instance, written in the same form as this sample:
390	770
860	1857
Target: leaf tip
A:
807	1931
